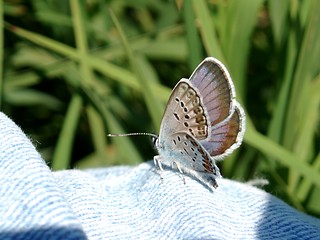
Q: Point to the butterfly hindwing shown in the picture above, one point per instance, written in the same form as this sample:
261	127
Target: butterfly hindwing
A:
226	136
192	158
193	154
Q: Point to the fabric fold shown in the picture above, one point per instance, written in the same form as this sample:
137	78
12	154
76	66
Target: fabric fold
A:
131	202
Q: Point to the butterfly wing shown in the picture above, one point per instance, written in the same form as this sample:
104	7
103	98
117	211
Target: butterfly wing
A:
185	112
213	81
227	118
190	157
227	135
205	99
202	122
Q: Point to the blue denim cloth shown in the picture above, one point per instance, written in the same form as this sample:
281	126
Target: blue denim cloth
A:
131	202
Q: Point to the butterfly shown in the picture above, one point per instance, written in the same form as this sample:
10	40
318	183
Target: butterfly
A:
202	123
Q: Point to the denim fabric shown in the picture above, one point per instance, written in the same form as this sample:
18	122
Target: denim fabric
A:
131	202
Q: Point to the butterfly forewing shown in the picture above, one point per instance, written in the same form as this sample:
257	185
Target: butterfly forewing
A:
185	112
212	80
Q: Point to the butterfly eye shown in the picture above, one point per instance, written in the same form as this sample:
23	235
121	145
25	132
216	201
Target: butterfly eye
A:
154	141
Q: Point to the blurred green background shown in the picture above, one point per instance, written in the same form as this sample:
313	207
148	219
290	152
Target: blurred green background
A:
74	71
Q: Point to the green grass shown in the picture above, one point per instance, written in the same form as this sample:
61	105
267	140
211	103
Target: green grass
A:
75	71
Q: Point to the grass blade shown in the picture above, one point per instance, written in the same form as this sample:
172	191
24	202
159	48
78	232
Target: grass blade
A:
152	102
63	149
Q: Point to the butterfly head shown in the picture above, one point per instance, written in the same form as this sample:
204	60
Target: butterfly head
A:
154	140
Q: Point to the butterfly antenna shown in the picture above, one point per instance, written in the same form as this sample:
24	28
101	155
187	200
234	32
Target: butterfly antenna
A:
132	134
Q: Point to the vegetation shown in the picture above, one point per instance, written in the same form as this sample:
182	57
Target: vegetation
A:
74	71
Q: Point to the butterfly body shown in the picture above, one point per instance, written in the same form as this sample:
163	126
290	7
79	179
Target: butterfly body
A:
188	156
202	123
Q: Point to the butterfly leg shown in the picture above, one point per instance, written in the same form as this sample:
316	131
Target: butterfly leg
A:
180	170
157	163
